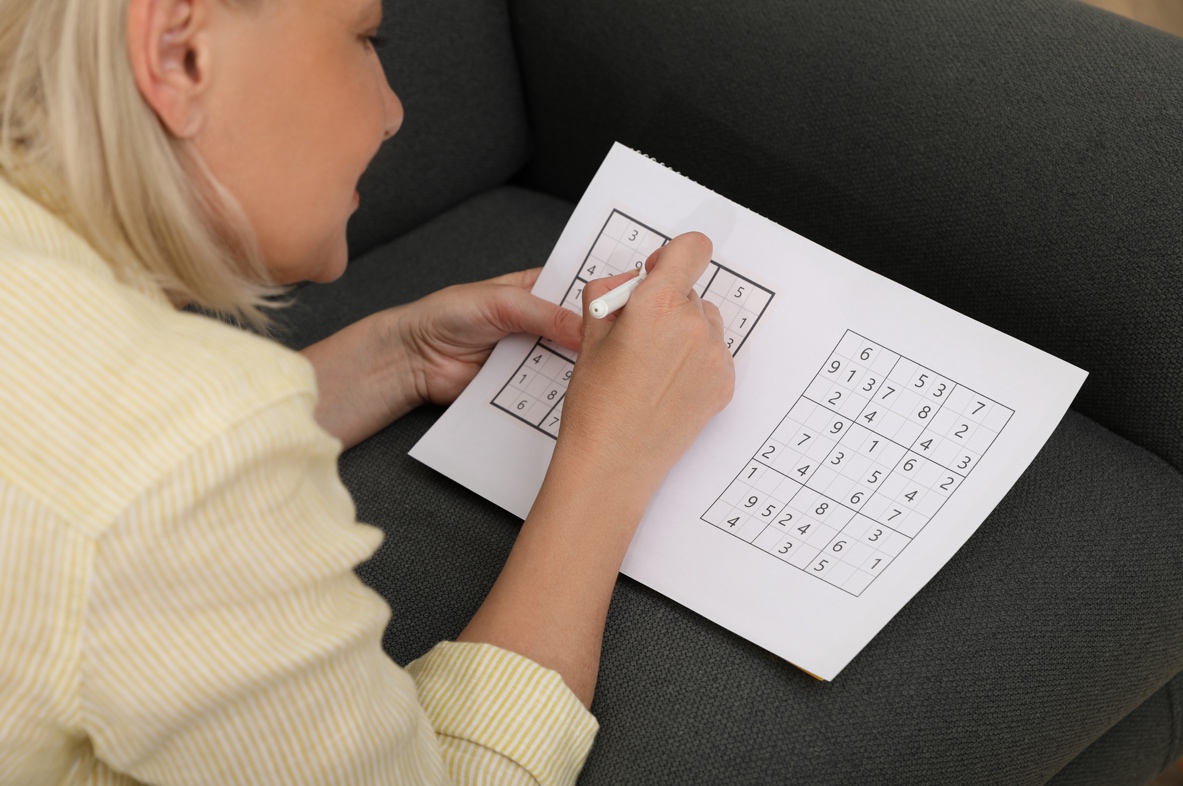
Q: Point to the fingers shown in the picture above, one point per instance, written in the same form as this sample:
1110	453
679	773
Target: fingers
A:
523	279
521	312
595	329
680	263
714	317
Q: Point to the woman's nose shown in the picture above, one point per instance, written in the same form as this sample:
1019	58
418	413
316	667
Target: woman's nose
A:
394	110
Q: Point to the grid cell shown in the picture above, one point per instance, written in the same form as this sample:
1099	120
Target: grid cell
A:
733	521
784	520
800	556
801	410
573	301
552	421
913	523
751	529
876	562
857	527
945	452
931	503
735	492
522	378
837	488
850	550
716	512
743	322
858	582
958	399
853	405
769	482
895	544
939	390
982	439
752	473
851	343
944	421
977	408
903	372
908	432
875	535
786	461
615	225
539	411
818	388
723	282
769	539
890	393
869	384
854	466
965	462
539	385
885	362
758	300
739	292
874	507
998	418
515	402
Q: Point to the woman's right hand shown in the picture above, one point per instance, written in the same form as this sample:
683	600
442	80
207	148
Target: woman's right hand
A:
649	377
647	381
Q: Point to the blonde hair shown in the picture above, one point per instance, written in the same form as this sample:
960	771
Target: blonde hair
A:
76	135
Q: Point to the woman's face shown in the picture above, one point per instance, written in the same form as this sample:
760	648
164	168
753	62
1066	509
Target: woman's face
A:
297	107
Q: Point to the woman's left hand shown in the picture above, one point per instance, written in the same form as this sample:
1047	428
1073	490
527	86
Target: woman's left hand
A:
380	368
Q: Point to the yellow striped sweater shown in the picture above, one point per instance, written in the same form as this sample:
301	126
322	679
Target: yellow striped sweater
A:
177	599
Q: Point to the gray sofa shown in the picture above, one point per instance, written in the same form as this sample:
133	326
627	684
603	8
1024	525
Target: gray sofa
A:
1018	160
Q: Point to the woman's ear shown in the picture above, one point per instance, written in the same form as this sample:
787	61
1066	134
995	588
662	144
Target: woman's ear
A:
169	49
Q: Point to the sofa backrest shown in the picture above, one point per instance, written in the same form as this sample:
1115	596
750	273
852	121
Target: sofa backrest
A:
1020	161
452	64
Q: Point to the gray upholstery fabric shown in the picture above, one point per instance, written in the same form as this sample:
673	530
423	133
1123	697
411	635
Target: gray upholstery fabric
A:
1119	758
1020	161
502	230
452	64
1061	616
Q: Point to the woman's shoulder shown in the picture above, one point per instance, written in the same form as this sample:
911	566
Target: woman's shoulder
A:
100	374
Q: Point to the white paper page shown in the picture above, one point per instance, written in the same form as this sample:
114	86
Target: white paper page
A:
871	432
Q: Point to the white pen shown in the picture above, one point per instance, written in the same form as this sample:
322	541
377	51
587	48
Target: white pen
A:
615	299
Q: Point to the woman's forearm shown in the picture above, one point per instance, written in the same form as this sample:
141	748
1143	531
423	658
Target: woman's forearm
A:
551	600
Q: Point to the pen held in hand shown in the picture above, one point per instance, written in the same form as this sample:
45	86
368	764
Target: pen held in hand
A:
614	300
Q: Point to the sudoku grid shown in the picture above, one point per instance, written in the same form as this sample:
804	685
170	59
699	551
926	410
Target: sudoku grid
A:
535	392
859	466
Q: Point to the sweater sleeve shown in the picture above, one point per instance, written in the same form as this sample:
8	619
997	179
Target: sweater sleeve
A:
501	718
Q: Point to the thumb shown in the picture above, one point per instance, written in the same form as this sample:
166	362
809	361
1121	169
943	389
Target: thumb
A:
522	312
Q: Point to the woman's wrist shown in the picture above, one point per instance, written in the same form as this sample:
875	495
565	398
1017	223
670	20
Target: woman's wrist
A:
366	377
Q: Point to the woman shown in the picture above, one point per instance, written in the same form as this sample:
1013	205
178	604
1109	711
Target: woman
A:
177	601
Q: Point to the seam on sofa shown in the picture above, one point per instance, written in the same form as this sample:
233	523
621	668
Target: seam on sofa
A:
1175	713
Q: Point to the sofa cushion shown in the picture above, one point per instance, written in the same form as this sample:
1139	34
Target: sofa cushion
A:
1020	161
1058	618
452	63
1123	756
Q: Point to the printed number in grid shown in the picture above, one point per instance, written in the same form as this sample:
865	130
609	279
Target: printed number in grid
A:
859	465
535	392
